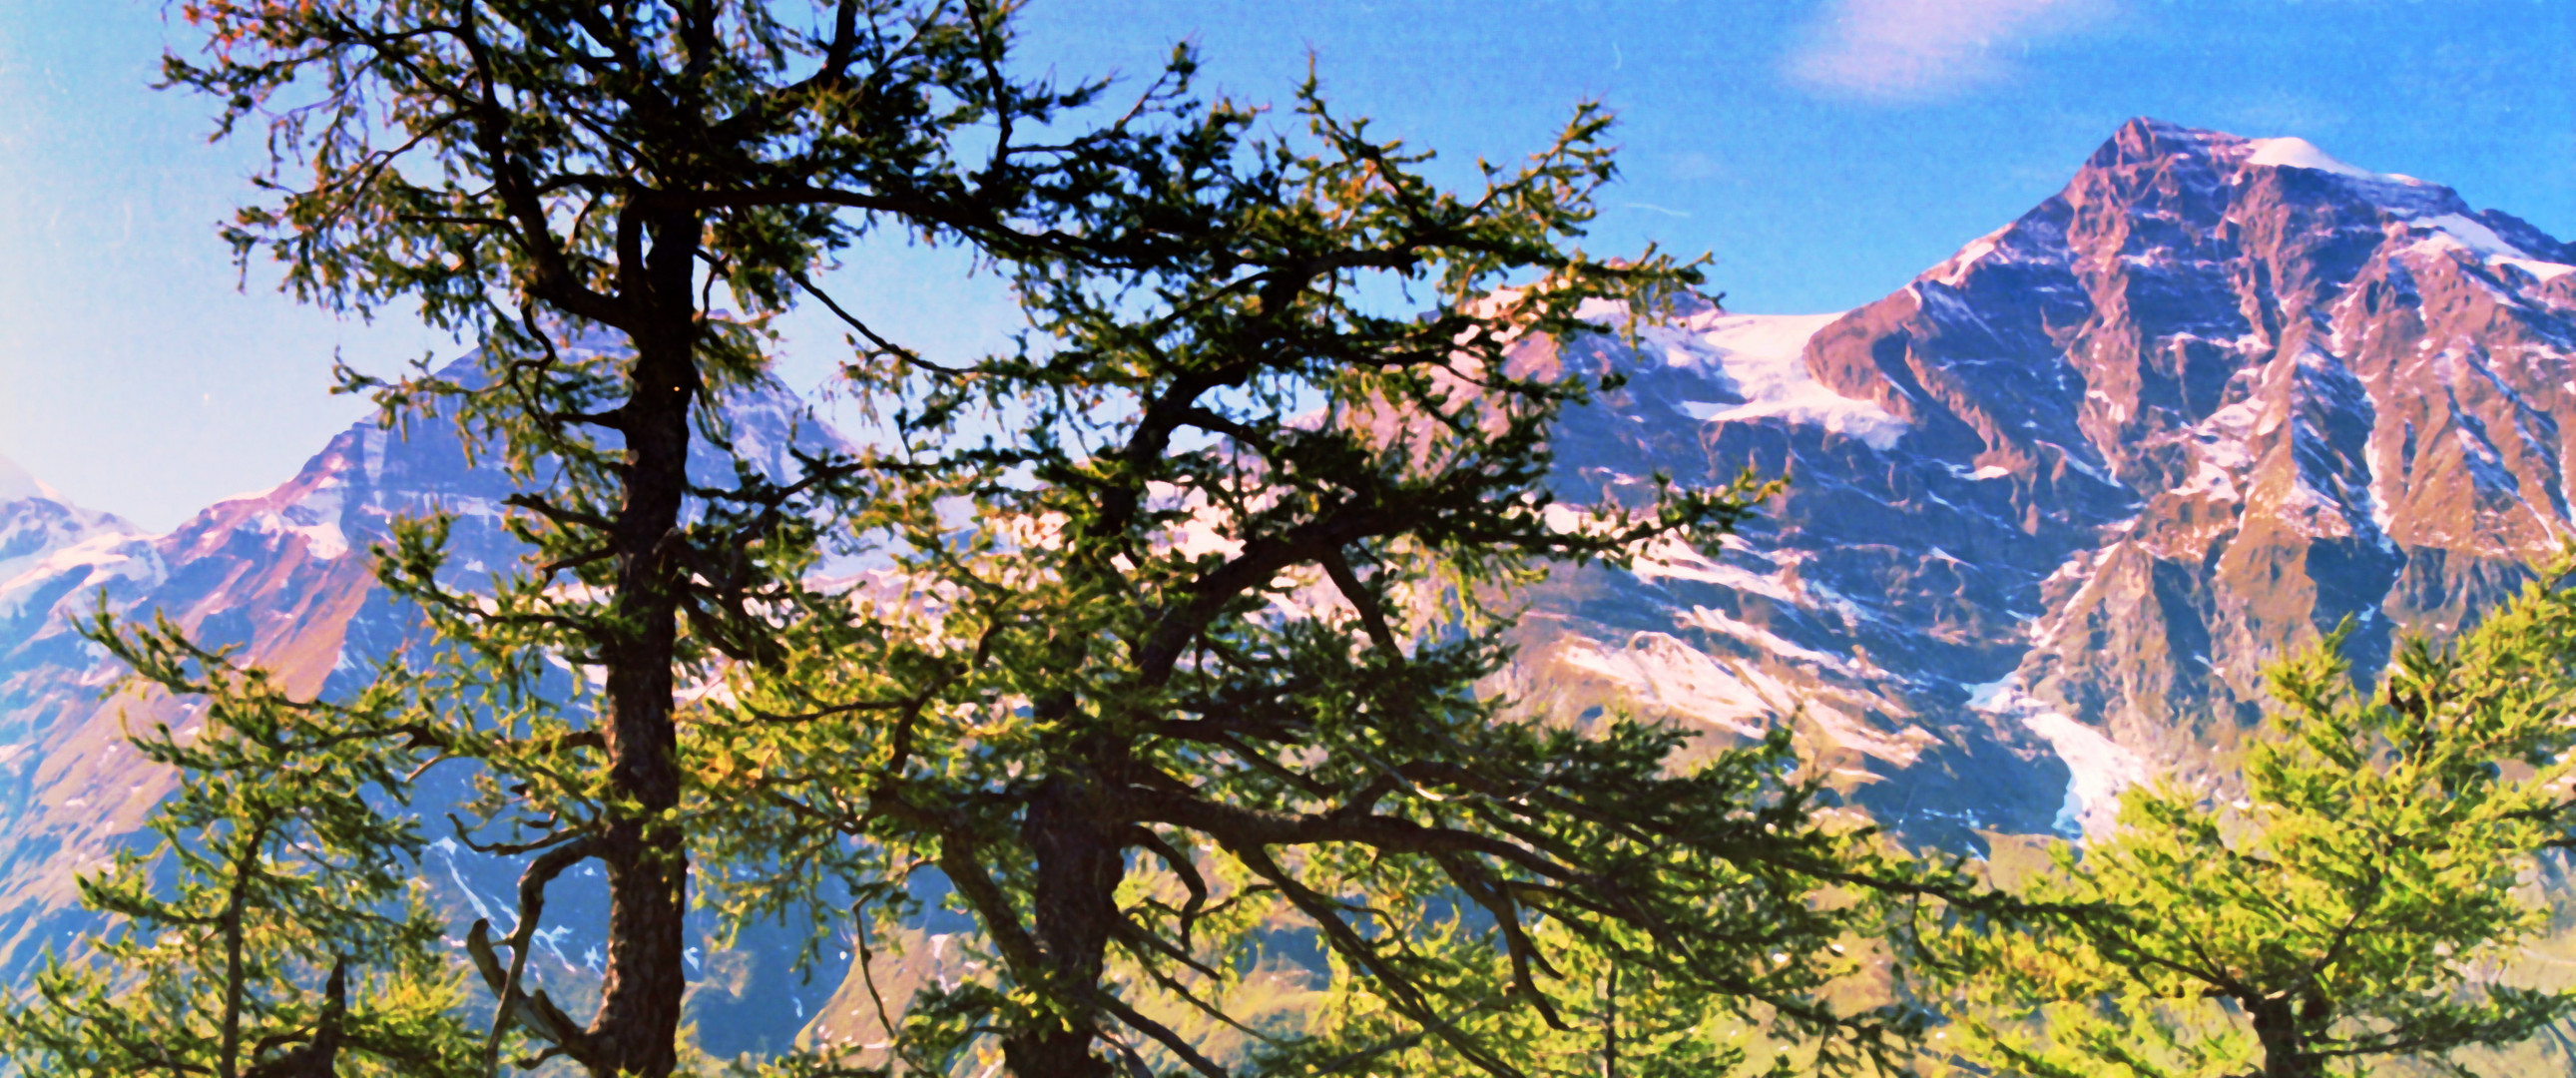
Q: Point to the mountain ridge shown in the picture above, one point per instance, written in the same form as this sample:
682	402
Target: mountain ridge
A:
2135	459
2051	505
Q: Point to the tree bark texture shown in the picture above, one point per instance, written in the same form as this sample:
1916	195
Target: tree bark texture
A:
638	1021
2285	1055
1079	865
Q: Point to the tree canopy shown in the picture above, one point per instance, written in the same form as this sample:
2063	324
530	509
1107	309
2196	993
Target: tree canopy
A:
1181	642
2363	896
1191	644
272	865
535	175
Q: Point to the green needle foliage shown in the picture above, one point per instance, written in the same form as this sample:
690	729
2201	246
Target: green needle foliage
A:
1614	1019
274	928
611	199
1186	643
2365	897
1187	640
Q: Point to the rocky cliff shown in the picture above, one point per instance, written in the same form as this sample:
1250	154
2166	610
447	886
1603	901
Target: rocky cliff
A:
2053	504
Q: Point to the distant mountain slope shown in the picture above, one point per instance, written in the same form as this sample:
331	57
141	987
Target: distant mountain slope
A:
40	532
282	574
2051	506
2054	503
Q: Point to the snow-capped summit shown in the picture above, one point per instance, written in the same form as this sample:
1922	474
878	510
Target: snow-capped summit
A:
42	536
16	484
2294	152
2052	504
2401	199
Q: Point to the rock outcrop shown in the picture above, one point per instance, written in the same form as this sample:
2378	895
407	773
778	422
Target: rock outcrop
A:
2054	504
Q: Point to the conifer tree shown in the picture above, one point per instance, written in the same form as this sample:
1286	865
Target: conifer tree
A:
2364	897
584	190
1615	1020
271	929
1188	640
1195	605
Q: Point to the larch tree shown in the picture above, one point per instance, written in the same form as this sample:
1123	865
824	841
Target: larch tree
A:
2365	896
610	199
1194	600
1187	637
268	929
1612	1018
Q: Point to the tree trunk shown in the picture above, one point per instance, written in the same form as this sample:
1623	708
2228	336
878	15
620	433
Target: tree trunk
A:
639	1008
1079	864
2285	1054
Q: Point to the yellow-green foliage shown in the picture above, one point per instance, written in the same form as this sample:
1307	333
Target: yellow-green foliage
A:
1182	646
1612	1017
2359	898
271	929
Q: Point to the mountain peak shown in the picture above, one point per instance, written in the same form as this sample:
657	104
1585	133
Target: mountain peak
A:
2213	398
17	485
2159	196
43	536
2145	139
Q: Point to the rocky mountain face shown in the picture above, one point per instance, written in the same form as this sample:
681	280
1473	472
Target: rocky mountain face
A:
2053	504
37	524
2050	508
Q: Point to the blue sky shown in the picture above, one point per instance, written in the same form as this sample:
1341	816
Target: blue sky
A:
1823	152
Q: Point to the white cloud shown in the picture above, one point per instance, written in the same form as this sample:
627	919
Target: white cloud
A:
1913	50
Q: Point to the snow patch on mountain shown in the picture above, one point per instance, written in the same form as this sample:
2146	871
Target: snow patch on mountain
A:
1668	558
1660	670
43	536
1671	558
1761	360
17	485
2473	234
2545	271
315	517
2301	153
1955	270
1762	641
312	514
98	559
2457	231
2098	768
